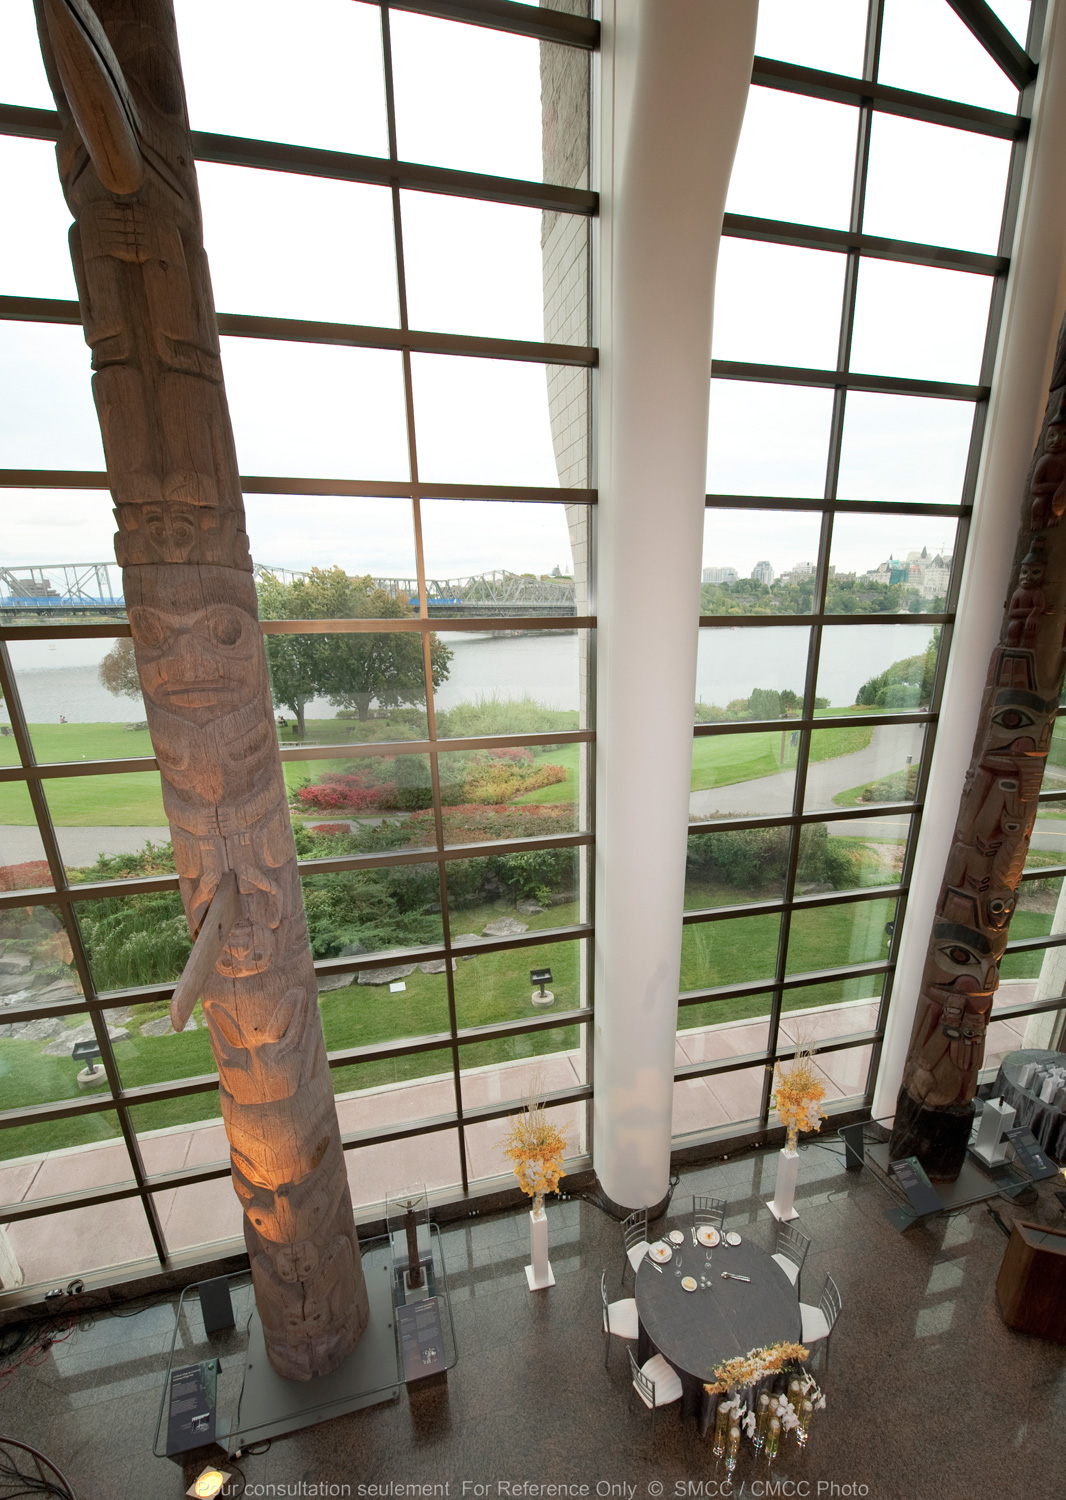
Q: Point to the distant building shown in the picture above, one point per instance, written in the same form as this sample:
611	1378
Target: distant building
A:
763	573
719	575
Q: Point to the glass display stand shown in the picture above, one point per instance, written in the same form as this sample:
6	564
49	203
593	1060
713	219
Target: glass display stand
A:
252	1402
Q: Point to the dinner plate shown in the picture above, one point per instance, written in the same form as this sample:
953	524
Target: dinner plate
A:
661	1253
708	1235
676	1237
689	1283
732	1238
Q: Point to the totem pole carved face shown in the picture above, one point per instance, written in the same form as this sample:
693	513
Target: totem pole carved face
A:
1055	438
999	908
198	665
1031	575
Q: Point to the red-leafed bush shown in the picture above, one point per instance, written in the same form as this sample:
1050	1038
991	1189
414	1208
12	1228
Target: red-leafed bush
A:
24	877
330	828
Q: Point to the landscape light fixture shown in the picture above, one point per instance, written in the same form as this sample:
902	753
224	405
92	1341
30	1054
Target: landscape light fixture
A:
207	1484
541	977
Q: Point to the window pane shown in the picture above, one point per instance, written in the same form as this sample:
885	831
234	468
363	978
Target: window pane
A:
316	410
375	690
504	895
494	987
795	160
478	268
483	421
506	1065
843	1074
370	1010
503	556
935	185
22	859
34	521
767	439
254	68
737	951
822	1012
40	1068
290	534
1015	16
154	1052
200	1215
733	866
483	1141
742	674
375	1172
286	246
878	668
826	34
98	817
828	936
856	767
71	712
450	80
919	321
506	793
758	563
394	1090
48	420
35	262
340	808
719	1099
743	775
777	304
904	448
135	940
718	1029
35	969
106	1235
353	913
508	684
926	47
22	75
890	565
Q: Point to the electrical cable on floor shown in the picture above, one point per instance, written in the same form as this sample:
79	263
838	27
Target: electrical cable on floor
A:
32	1484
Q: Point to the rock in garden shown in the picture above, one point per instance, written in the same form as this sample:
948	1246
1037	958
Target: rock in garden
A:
386	976
118	1016
435	966
528	907
162	1027
14	963
459	938
64	1045
504	927
39	1030
327	982
59	990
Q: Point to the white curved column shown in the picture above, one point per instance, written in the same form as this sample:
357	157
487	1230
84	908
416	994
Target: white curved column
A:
1036	297
675	77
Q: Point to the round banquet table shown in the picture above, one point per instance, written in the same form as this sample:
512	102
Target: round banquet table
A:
1046	1122
697	1330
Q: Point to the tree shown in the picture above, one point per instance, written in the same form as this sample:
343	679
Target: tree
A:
118	670
353	670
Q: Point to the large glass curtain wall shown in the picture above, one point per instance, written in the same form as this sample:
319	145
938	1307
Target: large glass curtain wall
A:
396	210
857	309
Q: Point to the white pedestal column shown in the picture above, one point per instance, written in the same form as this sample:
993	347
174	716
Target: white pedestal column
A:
1036	296
539	1274
674	83
783	1204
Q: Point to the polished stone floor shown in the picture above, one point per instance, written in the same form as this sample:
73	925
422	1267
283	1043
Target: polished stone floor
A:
929	1394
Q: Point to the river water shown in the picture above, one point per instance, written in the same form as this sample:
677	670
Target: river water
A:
57	678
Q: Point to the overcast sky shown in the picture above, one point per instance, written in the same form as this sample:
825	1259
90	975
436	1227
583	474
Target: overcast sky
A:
470	97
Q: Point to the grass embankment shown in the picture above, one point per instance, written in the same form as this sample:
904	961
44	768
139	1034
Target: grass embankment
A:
721	760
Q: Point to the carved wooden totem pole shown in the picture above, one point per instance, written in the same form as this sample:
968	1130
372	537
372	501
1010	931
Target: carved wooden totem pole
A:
125	160
935	1107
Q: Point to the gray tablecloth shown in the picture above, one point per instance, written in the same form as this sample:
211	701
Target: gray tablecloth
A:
697	1330
1046	1122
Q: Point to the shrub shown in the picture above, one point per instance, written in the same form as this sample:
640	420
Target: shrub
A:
899	787
25	876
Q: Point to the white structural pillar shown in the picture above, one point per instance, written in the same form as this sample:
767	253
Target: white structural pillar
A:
1035	302
675	77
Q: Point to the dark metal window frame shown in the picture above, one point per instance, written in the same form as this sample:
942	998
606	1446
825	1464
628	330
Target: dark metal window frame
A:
545	25
869	97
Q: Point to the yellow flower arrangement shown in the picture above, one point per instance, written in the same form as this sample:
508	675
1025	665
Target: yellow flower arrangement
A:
536	1149
798	1094
748	1369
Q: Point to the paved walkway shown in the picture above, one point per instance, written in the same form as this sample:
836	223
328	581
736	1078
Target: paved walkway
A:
767	796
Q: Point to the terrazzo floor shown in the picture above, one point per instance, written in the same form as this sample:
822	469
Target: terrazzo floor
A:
930	1396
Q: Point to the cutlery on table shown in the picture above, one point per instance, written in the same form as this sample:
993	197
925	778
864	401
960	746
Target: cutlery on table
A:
656	1265
693	1237
732	1276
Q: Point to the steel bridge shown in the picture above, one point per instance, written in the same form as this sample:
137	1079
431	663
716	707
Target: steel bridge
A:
95	588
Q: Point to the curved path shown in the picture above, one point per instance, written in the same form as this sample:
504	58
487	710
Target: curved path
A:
765	796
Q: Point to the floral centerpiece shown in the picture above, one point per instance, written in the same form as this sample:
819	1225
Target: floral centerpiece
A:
748	1369
535	1148
798	1094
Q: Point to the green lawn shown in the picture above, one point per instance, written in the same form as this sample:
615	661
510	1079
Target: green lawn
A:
720	760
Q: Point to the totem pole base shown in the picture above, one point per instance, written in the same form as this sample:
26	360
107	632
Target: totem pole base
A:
937	1137
272	1406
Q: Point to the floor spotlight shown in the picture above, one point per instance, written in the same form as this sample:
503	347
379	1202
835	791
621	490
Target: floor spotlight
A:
208	1484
